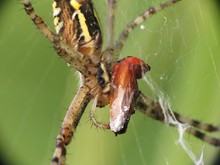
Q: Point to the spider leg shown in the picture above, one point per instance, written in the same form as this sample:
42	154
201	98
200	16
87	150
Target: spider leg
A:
195	123
38	21
74	58
69	124
202	136
93	118
153	109
77	60
127	30
109	51
110	22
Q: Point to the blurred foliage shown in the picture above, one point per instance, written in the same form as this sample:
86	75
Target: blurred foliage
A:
2	3
181	44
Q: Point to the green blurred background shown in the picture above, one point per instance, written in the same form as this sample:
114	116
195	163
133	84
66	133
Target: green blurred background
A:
182	46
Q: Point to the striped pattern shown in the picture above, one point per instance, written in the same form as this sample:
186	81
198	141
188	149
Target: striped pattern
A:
76	21
58	23
69	125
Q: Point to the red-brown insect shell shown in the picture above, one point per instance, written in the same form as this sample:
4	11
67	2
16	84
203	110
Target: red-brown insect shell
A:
124	91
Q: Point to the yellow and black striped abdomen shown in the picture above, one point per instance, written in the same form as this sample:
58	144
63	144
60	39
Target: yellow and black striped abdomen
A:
77	23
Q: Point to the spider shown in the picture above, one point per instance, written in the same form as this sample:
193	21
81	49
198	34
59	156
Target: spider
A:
105	79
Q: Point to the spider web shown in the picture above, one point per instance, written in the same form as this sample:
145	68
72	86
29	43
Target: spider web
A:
170	119
181	44
177	55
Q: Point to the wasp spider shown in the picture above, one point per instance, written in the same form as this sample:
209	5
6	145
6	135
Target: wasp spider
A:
105	79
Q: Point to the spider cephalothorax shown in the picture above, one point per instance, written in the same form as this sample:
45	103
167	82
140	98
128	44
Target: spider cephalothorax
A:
78	41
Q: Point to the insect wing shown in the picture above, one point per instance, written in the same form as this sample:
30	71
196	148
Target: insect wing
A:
124	91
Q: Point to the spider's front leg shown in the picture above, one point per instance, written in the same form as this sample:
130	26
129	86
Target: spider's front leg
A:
64	50
137	21
69	124
110	22
38	21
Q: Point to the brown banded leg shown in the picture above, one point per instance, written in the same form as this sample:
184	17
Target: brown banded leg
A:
109	51
69	124
74	58
38	21
195	123
110	22
202	136
127	30
153	109
71	56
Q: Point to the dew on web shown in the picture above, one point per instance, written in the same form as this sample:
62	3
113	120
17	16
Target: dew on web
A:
142	27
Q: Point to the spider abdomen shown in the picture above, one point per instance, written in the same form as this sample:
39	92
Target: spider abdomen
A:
77	23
